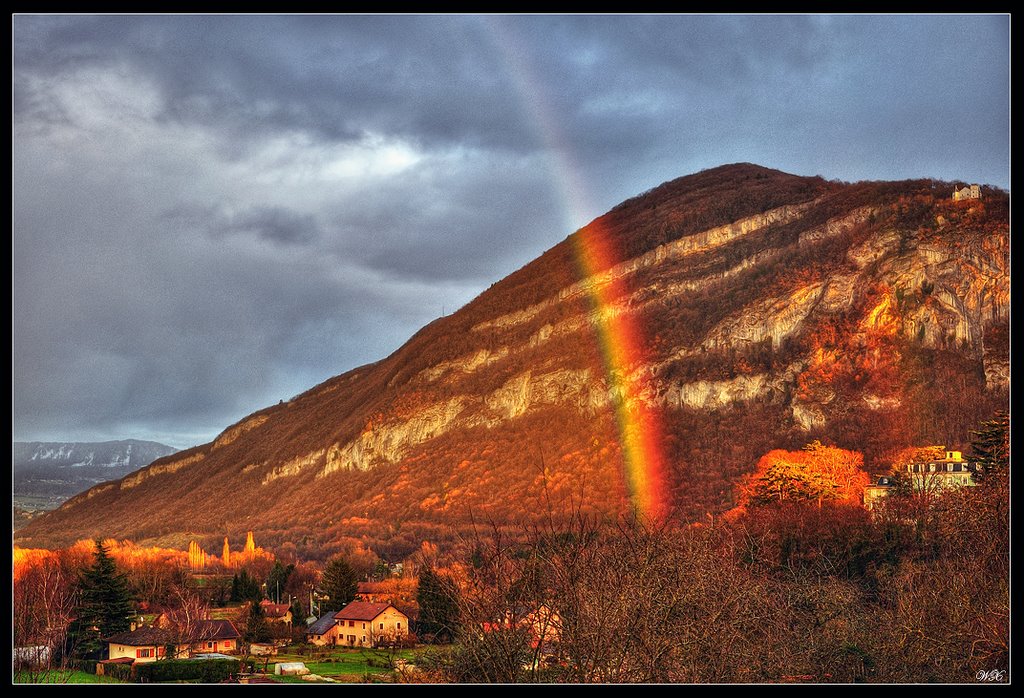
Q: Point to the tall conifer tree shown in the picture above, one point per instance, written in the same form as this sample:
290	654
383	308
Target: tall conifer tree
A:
105	605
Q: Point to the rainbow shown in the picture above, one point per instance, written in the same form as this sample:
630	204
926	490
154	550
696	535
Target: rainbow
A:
620	337
623	349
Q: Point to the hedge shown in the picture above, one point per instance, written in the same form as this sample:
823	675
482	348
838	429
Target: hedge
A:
118	671
86	665
201	670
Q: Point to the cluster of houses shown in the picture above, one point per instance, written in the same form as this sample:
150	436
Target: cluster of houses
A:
372	619
359	624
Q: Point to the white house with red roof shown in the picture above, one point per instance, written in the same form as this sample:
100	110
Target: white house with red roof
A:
149	643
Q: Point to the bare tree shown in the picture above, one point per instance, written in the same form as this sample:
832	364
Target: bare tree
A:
44	599
181	618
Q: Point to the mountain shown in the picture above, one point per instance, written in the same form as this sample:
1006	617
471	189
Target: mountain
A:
45	474
646	361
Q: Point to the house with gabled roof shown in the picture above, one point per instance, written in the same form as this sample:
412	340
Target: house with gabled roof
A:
323	631
149	643
359	624
143	644
367	624
372	592
213	636
276	612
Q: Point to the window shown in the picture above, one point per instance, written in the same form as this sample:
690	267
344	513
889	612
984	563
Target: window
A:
143	653
398	625
209	645
381	626
364	626
351	624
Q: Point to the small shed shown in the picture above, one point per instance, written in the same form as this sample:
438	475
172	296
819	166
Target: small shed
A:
263	649
290	669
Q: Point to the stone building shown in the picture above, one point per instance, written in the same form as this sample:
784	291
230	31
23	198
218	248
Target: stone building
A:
971	192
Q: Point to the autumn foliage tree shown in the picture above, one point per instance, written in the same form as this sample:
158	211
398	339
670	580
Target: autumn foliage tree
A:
817	473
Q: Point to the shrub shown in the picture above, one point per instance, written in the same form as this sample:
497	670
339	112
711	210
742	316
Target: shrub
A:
201	670
86	665
118	671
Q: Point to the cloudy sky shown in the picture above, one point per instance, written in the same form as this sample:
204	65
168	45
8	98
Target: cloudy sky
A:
214	213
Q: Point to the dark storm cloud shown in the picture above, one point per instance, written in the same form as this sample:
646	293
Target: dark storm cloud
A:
271	223
333	76
433	221
213	213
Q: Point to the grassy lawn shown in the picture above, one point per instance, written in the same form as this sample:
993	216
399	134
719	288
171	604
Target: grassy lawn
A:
346	665
227	613
62	676
343	665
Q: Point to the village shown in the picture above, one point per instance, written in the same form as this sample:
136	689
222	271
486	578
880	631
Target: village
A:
246	616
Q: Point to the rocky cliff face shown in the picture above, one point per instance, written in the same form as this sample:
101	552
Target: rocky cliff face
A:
772	310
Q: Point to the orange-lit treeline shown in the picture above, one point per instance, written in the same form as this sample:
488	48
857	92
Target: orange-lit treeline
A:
125	553
130	555
198	559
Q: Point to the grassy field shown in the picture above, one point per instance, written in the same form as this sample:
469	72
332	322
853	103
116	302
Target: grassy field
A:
227	613
62	676
344	665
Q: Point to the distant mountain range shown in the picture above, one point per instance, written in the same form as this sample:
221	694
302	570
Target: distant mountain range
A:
47	473
647	361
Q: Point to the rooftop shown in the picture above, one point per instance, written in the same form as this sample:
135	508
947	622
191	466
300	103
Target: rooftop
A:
274	610
321	625
143	636
361	610
148	635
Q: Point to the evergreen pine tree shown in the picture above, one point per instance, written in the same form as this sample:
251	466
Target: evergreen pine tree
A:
439	611
245	588
991	444
277	579
105	606
256	628
298	615
339	582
